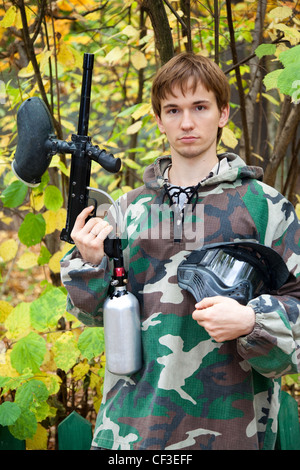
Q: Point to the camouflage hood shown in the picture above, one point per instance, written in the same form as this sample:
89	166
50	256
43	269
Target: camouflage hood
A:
153	175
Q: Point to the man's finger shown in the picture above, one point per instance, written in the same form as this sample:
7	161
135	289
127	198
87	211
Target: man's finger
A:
81	218
104	232
211	301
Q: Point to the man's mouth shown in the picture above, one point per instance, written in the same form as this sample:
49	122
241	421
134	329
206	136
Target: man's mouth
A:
188	138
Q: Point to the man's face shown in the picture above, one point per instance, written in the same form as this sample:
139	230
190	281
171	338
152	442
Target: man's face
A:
190	122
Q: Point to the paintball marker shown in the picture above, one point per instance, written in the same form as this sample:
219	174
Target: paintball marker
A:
37	144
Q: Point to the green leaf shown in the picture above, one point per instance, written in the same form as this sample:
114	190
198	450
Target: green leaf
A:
47	309
31	395
287	80
44	256
14	194
25	427
271	79
12	383
265	49
28	352
9	413
53	199
91	342
18	321
32	229
130	110
290	56
66	352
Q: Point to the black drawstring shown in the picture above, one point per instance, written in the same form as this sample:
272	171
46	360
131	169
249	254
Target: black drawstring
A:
174	192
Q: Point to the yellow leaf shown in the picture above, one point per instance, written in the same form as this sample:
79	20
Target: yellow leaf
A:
52	381
37	200
43	59
291	34
61	215
258	156
9	17
134	128
113	185
18	20
130	31
141	111
64	5
5	309
5	219
95	379
55	220
281	13
56	162
228	138
80	370
54	263
6	368
69	125
114	56
65	55
8	250
26	72
97	403
50	219
139	60
28	260
39	440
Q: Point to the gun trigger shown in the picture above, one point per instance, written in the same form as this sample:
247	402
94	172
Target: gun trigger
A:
93	203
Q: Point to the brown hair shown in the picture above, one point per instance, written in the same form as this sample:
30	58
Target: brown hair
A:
182	67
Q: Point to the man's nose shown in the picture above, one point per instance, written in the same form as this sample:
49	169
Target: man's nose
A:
187	121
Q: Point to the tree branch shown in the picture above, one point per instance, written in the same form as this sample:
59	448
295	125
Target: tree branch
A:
239	83
289	120
75	18
30	51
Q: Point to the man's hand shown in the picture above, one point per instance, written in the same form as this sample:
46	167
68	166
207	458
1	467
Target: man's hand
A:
224	318
89	237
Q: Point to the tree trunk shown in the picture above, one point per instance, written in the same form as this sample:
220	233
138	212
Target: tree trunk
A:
287	127
162	31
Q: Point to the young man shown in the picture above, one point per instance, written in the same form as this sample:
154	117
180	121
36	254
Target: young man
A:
211	373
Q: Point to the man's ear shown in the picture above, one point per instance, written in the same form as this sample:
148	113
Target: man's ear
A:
224	116
160	124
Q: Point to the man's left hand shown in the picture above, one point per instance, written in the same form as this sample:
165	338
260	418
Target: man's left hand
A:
224	318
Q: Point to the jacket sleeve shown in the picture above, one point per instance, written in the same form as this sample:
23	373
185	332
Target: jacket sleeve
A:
273	347
87	286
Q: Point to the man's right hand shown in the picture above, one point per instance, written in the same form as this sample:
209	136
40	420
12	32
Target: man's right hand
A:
89	237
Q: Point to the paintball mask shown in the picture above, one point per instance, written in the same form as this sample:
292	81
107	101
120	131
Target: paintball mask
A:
240	270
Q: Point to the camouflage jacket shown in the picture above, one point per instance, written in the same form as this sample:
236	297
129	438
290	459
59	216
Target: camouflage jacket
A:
192	392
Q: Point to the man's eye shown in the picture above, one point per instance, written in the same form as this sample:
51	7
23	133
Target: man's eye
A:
173	111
